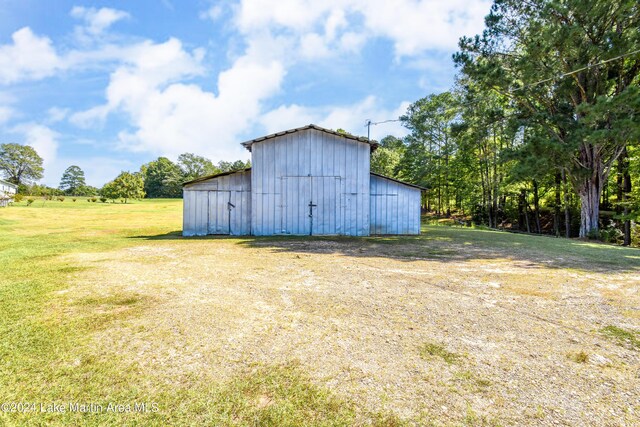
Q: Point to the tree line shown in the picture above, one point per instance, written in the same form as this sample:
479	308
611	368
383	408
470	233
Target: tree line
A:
540	132
21	165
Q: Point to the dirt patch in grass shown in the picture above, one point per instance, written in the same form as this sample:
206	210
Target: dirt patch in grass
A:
440	336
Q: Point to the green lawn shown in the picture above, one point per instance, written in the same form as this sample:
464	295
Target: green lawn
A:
47	339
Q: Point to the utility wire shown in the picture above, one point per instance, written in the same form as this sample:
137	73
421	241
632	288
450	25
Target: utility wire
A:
368	122
561	76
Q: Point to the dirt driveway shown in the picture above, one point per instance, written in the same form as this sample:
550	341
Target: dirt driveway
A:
436	330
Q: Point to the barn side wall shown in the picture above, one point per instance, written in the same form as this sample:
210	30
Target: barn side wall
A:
206	209
287	168
395	207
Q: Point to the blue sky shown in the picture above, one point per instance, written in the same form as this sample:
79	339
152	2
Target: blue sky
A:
110	85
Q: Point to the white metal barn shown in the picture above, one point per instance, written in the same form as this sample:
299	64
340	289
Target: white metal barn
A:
304	181
7	192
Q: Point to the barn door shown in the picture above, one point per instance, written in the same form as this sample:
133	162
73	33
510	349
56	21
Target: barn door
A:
325	193
310	205
296	195
219	214
240	213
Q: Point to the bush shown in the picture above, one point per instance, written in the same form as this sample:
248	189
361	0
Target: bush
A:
74	199
635	234
30	200
94	199
60	198
18	197
609	233
103	199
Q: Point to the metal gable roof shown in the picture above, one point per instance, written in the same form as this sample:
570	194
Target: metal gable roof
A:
399	182
215	175
248	144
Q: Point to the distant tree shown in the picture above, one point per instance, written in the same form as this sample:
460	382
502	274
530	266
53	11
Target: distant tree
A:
233	166
39	190
126	186
386	159
110	191
20	164
86	190
72	180
430	146
162	178
392	142
194	166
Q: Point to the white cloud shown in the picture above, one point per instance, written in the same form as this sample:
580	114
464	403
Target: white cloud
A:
145	67
169	116
348	117
91	118
27	57
98	20
57	114
414	26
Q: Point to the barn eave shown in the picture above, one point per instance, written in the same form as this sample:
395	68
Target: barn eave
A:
215	175
399	182
372	144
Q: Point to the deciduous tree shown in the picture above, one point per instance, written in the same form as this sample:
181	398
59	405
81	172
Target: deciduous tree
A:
20	164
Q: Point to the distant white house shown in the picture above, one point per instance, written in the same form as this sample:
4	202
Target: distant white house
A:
7	192
303	181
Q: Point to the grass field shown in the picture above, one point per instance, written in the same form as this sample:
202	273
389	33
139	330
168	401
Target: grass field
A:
107	304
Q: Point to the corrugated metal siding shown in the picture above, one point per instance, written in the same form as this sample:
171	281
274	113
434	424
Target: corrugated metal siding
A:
290	171
206	206
395	208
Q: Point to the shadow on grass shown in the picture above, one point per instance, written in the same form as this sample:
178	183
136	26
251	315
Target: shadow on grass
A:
448	244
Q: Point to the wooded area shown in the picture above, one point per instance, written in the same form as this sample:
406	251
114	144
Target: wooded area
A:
540	133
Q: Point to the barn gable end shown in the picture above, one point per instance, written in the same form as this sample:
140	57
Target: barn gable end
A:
293	170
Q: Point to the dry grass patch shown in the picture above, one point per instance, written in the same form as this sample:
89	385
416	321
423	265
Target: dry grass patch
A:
578	357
